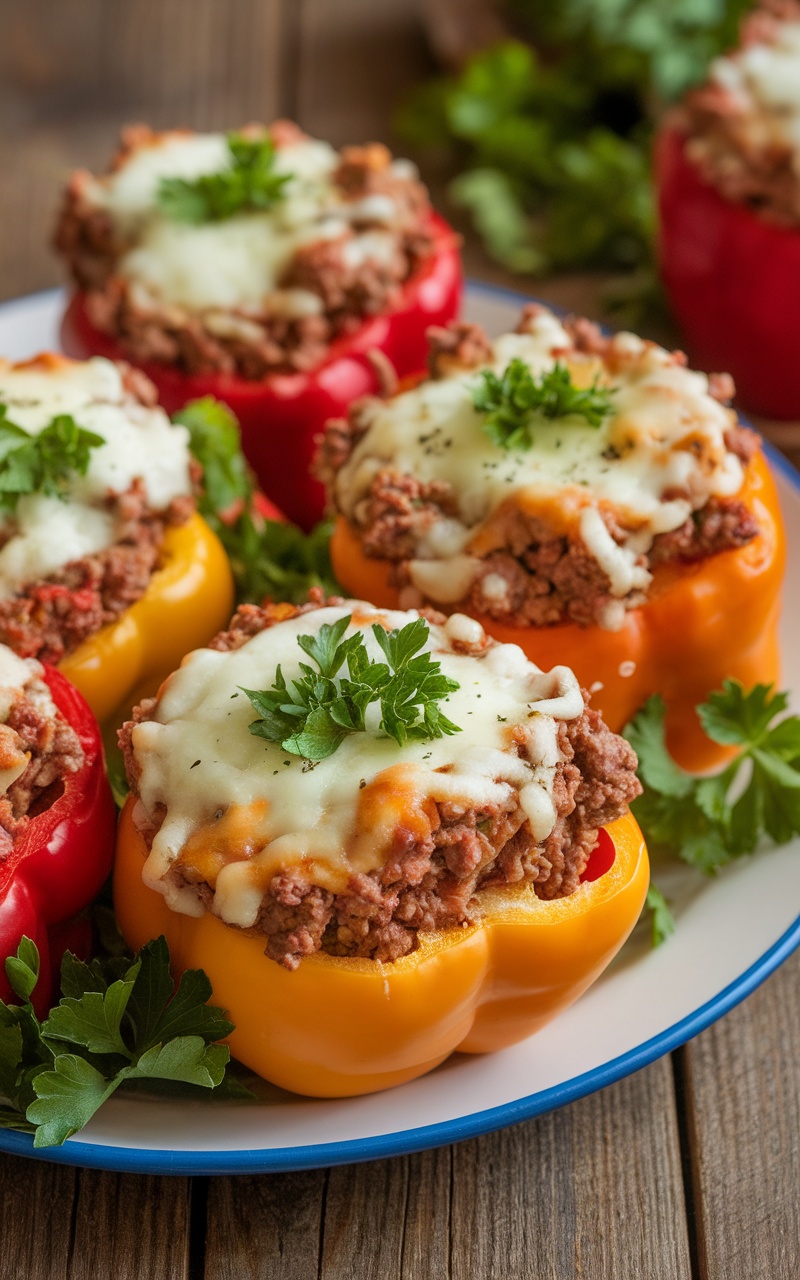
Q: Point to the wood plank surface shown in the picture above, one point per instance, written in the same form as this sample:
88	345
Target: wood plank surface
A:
742	1080
593	1190
58	1223
74	72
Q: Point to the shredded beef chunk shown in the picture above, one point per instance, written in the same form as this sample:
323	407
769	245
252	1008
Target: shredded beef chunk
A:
54	749
49	618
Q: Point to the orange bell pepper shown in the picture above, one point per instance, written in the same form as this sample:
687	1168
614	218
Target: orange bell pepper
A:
188	600
703	622
338	1027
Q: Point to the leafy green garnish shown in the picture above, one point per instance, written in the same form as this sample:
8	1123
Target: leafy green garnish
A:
662	921
713	819
516	399
45	462
118	1021
551	138
313	716
250	183
270	558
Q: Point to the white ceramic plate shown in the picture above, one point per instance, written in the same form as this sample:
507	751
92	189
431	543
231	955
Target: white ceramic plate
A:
730	936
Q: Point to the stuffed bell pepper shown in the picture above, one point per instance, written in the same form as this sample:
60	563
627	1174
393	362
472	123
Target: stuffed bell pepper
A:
106	569
383	836
584	496
728	172
265	268
57	817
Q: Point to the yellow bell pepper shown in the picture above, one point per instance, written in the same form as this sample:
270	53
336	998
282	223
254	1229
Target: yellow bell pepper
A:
703	622
189	599
337	1027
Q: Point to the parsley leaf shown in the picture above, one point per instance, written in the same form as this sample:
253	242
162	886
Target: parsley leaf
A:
249	183
551	137
45	462
314	716
118	1021
270	559
662	921
514	401
710	820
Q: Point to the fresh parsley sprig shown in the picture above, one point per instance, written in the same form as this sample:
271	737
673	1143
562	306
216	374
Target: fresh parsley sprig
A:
44	462
513	402
711	820
313	716
119	1022
249	183
270	558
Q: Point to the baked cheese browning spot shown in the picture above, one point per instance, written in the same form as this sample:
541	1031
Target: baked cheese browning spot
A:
378	840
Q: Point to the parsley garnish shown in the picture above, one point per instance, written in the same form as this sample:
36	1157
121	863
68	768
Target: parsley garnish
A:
514	401
119	1021
313	716
662	921
269	559
250	183
711	820
42	463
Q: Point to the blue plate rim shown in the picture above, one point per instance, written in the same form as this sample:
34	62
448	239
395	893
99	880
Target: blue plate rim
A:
408	1141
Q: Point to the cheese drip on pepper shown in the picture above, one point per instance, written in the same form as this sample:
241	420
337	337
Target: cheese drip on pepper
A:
238	810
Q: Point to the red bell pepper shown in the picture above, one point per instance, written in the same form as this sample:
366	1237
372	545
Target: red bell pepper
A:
281	415
61	859
733	279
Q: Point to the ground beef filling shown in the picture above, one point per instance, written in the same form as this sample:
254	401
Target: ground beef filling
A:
533	576
244	341
434	883
48	618
54	750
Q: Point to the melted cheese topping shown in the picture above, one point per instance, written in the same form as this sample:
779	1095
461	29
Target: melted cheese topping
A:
44	533
238	261
764	80
659	455
18	676
239	809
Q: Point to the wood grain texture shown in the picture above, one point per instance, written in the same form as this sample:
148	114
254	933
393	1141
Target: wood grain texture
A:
355	60
36	1206
72	73
743	1107
594	1190
259	1227
130	1227
58	1223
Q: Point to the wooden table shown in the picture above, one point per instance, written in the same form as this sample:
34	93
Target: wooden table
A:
690	1168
